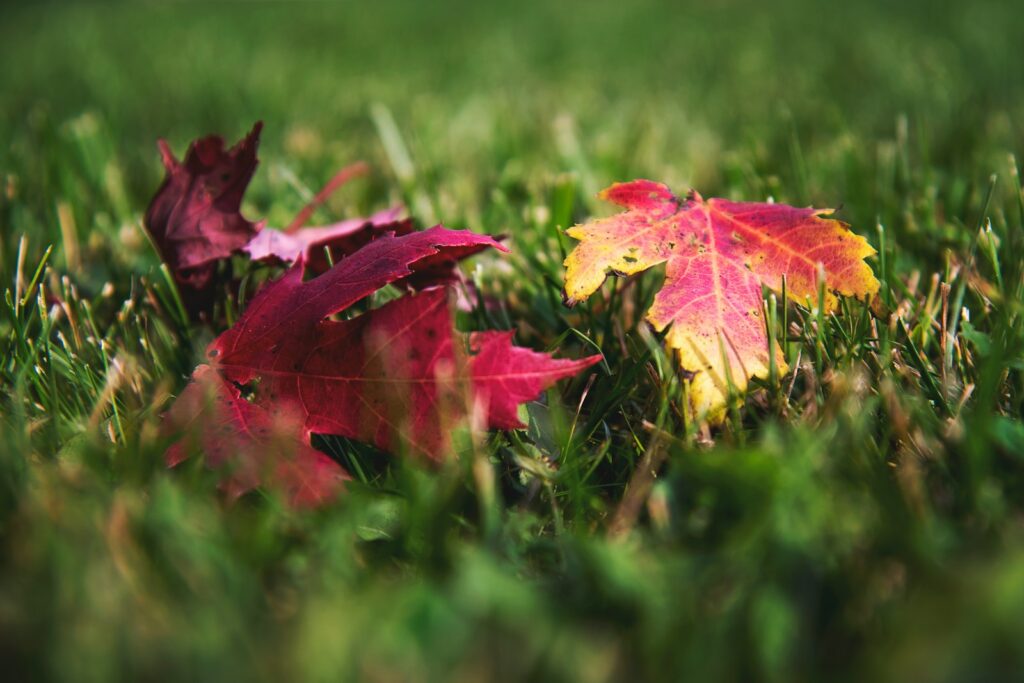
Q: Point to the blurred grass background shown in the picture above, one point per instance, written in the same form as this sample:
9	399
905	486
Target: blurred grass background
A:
874	531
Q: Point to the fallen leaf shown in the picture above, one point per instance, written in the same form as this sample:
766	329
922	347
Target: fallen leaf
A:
398	376
719	253
194	218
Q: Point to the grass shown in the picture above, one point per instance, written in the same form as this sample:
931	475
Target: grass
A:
857	519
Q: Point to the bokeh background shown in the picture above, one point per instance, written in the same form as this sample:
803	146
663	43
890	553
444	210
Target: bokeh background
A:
491	93
779	561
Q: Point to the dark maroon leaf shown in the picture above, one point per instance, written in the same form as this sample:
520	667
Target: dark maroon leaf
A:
194	219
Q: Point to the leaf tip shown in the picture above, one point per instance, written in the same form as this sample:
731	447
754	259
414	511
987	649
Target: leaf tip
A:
170	162
254	134
638	194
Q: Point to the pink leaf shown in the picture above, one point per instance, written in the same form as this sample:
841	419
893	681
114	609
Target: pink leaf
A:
342	239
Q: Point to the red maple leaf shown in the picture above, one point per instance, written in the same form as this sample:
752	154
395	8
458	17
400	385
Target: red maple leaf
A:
194	218
398	376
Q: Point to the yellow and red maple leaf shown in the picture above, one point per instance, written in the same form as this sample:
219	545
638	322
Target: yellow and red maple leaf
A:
718	253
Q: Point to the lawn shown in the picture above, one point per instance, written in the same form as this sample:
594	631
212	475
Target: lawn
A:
860	518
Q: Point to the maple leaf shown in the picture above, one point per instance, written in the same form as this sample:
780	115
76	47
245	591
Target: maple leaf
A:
194	218
253	446
719	253
396	376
